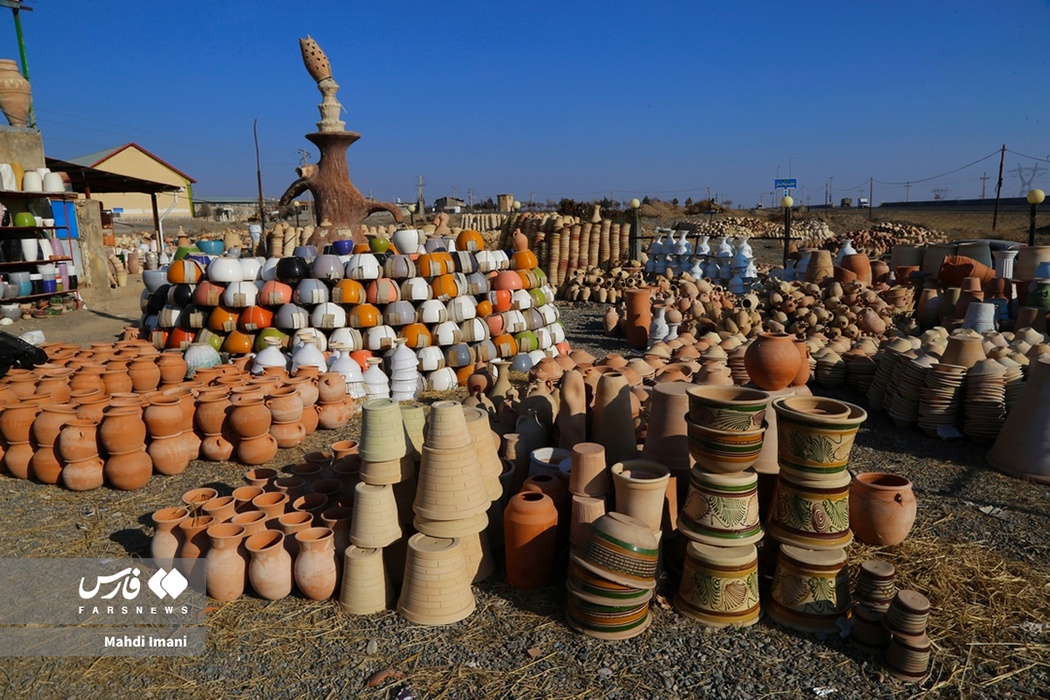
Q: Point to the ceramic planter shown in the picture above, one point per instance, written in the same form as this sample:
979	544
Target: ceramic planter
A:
724	451
589	475
128	471
641	489
722	509
375	517
608	622
719	586
436	589
881	508
811	511
810	589
621	549
816	434
728	407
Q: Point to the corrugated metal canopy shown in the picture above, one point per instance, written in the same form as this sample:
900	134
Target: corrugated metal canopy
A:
92	180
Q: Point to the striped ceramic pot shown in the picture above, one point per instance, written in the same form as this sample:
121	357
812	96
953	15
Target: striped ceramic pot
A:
811	511
724	451
810	589
816	434
719	586
722	509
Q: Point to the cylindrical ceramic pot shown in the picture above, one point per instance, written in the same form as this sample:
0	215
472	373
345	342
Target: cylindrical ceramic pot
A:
315	565
589	475
728	407
530	528
641	490
722	509
720	585
639	316
881	508
270	570
128	471
375	517
816	434
436	588
811	510
772	361
612	422
165	541
366	588
810	589
724	451
226	564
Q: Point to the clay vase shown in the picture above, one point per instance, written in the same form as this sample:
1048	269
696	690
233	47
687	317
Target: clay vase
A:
193	536
331	387
122	429
772	361
292	523
163	416
881	508
83	475
144	373
15	94
117	381
572	411
639	316
285	405
270	570
249	416
530	531
128	471
165	542
612	425
257	450
641	487
172	367
315	566
168	455
226	565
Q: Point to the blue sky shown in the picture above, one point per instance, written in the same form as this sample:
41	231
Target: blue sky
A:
577	99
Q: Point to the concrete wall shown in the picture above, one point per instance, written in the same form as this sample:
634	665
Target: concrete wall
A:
22	146
93	280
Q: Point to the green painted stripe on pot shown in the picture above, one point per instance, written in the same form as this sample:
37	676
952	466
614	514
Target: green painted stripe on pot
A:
624	545
720	534
634	624
605	592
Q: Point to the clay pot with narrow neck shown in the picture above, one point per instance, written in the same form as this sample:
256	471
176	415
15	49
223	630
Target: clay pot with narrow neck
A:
881	508
212	414
227	564
270	569
193	533
187	405
315	565
172	366
49	422
290	524
165	542
128	471
15	94
122	429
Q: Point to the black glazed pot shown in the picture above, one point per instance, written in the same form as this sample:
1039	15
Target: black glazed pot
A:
291	270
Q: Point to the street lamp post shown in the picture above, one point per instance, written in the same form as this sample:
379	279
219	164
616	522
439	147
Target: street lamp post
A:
635	238
1035	198
298	205
787	202
412	214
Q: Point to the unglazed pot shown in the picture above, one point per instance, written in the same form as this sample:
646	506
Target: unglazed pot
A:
881	508
226	565
772	361
315	566
641	489
83	475
530	529
122	429
128	471
249	417
257	450
270	570
165	542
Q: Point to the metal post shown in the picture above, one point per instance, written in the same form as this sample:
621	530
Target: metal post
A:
636	236
787	235
25	64
871	194
1031	225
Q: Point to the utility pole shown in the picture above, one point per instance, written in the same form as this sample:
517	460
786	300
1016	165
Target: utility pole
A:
907	191
304	156
998	187
532	202
984	180
421	206
827	194
871	193
470	199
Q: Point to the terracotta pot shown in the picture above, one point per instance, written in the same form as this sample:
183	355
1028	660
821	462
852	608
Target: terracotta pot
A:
257	450
639	316
122	429
128	471
436	588
667	438
49	422
212	414
530	530
249	416
83	475
307	388
117	381
163	416
311	418
804	369
270	570
641	487
216	448
169	454
331	416
288	434
612	424
290	524
89	376
45	465
77	440
722	509
227	565
315	566
719	586
144	374
17	420
772	361
165	541
881	508
15	94
187	403
221	508
331	387
93	408
17	458
285	404
273	503
194	542
172	367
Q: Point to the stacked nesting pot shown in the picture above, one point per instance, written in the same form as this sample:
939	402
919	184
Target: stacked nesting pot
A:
810	512
720	516
451	302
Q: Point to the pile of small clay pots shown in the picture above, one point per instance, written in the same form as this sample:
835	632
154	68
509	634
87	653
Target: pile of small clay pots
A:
597	284
878	240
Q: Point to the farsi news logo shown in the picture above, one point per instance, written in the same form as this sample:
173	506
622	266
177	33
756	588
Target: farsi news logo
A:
126	585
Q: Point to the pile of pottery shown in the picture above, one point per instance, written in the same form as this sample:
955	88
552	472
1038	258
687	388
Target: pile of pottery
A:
878	240
118	413
450	307
597	284
595	243
728	261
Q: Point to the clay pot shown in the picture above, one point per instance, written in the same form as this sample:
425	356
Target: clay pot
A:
187	405
17	420
222	508
722	509
263	478
290	524
331	387
93	408
17	458
163	416
77	440
436	589
306	386
169	454
122	429
49	422
128	471
45	466
15	94
530	530
881	508
810	589
270	570
315	566
310	420
811	510
172	367
639	316
273	503
257	450
641	487
285	404
226	564
117	381
288	434
212	413
249	416
612	423
719	586
216	448
772	361
83	475
165	541
816	434
331	416
144	374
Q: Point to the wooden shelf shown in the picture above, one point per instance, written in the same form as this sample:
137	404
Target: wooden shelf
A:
43	295
18	229
4	265
17	194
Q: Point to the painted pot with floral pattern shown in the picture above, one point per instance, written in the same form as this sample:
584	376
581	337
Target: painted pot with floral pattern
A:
816	434
722	509
719	585
727	407
811	510
810	589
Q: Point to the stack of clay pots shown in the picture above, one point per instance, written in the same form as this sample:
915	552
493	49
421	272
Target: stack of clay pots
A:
875	589
450	301
810	516
563	245
720	516
908	653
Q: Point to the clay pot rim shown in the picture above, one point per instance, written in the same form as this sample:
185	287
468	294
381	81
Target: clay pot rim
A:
329	486
336	513
264	541
296	517
309	501
260	473
786	410
882	481
221	500
195	496
314	534
655	472
719	396
269	498
168	515
197	522
225	531
290	481
713	433
248	517
242	489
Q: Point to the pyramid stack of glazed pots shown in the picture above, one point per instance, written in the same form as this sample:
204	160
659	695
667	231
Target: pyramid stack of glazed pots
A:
810	512
117	413
450	301
720	516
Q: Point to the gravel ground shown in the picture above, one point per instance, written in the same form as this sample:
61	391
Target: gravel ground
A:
516	645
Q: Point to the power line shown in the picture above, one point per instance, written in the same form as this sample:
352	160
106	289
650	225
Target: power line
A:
1045	160
993	153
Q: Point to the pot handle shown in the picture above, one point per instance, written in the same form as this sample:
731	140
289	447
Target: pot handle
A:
897	497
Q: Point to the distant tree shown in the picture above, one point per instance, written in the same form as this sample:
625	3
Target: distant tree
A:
567	207
675	201
688	202
204	210
727	202
646	200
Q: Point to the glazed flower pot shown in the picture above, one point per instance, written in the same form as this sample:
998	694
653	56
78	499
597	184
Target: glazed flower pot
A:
719	586
270	570
621	549
816	434
811	510
810	589
881	508
722	509
226	565
315	566
728	407
772	361
724	451
128	471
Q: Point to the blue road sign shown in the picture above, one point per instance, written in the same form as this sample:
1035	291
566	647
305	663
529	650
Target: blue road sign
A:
785	183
